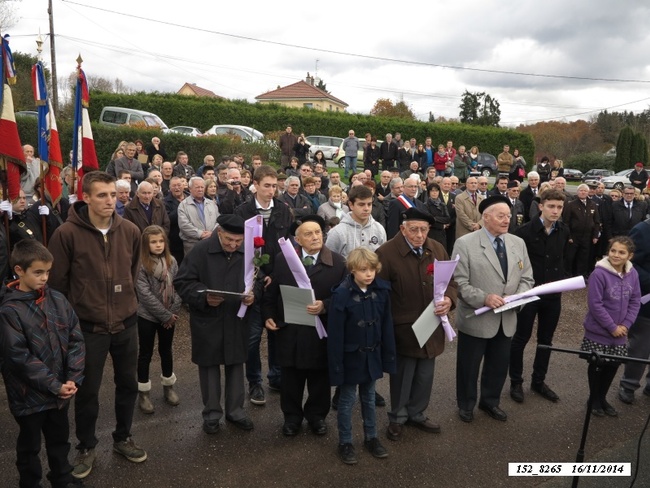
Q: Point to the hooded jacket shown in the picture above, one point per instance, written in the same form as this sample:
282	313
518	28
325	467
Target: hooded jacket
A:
97	273
611	300
41	346
349	235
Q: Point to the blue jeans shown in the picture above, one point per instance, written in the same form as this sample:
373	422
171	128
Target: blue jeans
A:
254	362
344	412
350	165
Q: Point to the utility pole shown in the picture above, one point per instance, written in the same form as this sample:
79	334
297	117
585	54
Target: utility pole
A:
55	90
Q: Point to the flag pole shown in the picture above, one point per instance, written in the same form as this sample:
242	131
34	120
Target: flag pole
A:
3	159
41	190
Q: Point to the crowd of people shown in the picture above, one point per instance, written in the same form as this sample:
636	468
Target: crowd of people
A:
150	235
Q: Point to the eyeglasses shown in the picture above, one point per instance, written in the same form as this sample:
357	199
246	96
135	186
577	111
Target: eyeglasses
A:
418	230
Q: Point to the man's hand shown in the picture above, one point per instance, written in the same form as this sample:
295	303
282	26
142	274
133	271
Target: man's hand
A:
205	234
248	299
267	281
270	324
443	307
67	390
43	210
494	301
213	299
315	308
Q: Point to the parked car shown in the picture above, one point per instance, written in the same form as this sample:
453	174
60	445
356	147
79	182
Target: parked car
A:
26	113
618	181
186	130
117	116
595	175
246	133
339	154
327	144
572	174
487	165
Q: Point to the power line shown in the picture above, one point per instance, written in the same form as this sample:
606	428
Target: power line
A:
356	55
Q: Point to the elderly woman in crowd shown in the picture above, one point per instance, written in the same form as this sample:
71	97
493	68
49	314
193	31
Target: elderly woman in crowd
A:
333	207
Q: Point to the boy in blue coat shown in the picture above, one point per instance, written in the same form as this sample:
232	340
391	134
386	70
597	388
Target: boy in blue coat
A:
43	353
360	347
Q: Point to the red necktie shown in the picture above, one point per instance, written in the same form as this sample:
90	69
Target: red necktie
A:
474	198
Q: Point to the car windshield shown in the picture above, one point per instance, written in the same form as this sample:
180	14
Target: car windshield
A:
153	121
257	134
625	172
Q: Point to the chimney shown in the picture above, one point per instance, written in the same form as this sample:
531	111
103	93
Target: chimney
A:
309	80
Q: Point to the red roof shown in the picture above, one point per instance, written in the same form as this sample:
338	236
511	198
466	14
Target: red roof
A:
300	90
199	92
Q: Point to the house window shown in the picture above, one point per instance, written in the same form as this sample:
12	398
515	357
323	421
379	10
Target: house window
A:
308	105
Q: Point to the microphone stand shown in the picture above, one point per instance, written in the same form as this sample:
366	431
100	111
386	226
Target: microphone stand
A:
592	358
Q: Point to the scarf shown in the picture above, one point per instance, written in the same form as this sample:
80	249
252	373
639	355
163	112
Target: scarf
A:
162	274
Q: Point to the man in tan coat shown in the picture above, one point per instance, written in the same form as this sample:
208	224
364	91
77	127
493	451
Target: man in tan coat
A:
468	218
405	261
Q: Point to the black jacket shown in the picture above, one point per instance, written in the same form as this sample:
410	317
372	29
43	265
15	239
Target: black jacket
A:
621	222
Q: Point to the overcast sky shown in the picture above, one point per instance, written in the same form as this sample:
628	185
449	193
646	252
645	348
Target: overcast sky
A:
243	49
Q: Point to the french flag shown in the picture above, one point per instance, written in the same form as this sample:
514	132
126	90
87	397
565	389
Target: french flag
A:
84	157
12	158
49	147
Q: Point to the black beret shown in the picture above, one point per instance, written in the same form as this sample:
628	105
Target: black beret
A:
415	214
513	184
231	223
493	200
308	218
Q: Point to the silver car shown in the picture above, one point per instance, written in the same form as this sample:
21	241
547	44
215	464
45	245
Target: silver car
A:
327	144
246	133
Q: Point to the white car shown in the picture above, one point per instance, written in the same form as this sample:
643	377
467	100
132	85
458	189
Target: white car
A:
186	130
246	133
327	144
619	180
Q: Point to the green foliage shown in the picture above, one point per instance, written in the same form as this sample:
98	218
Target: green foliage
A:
638	150
272	119
592	160
22	93
624	149
479	109
108	138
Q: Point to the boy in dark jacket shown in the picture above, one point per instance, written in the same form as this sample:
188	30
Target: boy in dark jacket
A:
360	347
43	361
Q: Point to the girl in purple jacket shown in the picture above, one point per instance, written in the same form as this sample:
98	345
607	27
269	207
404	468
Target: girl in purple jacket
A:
613	300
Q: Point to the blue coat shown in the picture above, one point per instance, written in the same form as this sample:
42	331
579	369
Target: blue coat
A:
361	341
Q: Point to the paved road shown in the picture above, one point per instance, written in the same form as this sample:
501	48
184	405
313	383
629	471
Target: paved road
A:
463	455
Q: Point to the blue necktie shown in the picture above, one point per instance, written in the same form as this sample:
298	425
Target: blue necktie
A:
501	254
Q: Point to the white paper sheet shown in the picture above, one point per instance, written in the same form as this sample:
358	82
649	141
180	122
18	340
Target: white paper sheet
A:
295	301
426	325
515	304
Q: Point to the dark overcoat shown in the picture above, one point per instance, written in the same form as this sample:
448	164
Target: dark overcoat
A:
218	335
299	346
412	292
361	341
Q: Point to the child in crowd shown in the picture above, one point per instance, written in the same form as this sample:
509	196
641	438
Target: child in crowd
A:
158	309
613	300
360	347
42	350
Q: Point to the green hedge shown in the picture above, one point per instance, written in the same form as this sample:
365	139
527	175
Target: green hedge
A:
206	112
107	139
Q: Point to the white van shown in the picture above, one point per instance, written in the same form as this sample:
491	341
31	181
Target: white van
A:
117	116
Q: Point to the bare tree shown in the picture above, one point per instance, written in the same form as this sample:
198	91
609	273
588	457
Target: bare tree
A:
8	15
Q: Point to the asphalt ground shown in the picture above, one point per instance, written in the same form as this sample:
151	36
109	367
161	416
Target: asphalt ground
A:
463	455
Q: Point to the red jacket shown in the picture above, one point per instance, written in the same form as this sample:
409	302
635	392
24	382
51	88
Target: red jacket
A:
440	161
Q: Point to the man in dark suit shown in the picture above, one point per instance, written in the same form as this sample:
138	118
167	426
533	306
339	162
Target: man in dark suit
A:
500	187
492	264
301	354
581	216
517	209
397	206
298	204
409	254
388	153
626	213
527	194
547	239
449	199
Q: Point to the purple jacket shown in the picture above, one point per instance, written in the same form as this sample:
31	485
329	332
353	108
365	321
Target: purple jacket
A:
612	300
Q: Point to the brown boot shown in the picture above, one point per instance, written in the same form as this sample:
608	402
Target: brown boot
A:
168	386
144	402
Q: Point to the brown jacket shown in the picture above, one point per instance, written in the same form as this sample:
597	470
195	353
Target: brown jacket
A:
134	212
412	292
466	213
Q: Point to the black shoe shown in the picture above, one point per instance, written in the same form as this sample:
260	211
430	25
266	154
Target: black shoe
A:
347	454
517	392
426	425
274	385
543	389
318	427
380	401
211	427
290	429
394	431
626	396
375	448
466	415
243	424
608	409
597	412
256	394
495	412
335	398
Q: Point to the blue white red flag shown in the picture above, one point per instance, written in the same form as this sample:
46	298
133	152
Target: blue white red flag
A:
84	157
12	158
49	147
